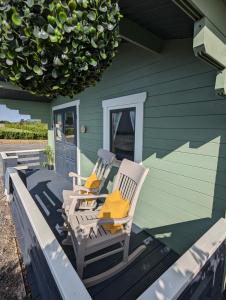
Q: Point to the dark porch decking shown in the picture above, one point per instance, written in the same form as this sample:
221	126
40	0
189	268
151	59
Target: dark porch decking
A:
46	189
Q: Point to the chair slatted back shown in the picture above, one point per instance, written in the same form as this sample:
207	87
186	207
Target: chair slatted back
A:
129	180
127	187
103	165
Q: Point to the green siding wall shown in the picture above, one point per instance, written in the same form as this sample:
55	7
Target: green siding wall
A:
37	110
184	138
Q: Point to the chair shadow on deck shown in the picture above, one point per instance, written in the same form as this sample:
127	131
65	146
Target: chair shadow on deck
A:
48	203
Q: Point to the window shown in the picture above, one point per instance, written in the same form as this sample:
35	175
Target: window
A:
65	125
122	132
123	126
69	127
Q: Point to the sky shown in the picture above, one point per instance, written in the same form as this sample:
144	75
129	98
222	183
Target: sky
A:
7	114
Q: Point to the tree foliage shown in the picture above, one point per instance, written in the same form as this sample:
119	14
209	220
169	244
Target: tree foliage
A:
57	47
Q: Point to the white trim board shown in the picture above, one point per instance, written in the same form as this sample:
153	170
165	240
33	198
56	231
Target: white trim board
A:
65	276
134	100
75	103
66	105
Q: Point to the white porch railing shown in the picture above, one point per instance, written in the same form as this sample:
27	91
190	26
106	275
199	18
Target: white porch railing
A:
185	270
24	158
56	277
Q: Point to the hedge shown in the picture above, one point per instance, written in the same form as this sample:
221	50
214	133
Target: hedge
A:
29	127
12	133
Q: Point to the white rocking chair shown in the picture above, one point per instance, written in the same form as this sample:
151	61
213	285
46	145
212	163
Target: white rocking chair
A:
89	236
102	169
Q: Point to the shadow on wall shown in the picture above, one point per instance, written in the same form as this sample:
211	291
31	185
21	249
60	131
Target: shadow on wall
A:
184	140
184	194
185	149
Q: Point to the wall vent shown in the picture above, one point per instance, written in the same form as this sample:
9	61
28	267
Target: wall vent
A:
220	85
210	60
209	44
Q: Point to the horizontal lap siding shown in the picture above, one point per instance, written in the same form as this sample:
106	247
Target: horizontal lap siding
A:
36	110
184	138
185	149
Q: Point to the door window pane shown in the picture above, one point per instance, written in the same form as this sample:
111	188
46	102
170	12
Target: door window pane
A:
122	133
59	126
69	127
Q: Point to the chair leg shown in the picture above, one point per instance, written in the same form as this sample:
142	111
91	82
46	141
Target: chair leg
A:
79	250
64	227
80	266
126	250
67	241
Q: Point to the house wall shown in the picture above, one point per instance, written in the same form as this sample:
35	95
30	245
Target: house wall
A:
37	110
184	138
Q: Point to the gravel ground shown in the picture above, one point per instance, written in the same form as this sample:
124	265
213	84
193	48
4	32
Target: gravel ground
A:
11	279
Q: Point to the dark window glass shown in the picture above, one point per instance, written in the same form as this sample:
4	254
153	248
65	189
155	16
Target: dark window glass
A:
69	127
122	132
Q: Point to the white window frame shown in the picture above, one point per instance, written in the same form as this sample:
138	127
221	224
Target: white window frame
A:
75	103
134	100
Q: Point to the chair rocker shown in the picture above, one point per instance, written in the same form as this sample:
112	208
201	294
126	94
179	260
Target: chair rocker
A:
88	234
102	169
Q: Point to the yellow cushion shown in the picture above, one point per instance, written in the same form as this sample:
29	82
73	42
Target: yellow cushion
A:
92	182
114	207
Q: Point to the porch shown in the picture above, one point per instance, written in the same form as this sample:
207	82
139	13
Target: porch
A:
35	194
182	142
45	188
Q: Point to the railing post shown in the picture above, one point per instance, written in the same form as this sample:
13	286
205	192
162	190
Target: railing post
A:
42	158
8	162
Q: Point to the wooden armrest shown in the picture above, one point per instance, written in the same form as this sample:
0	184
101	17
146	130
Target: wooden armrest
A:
75	199
82	188
93	223
83	197
72	174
